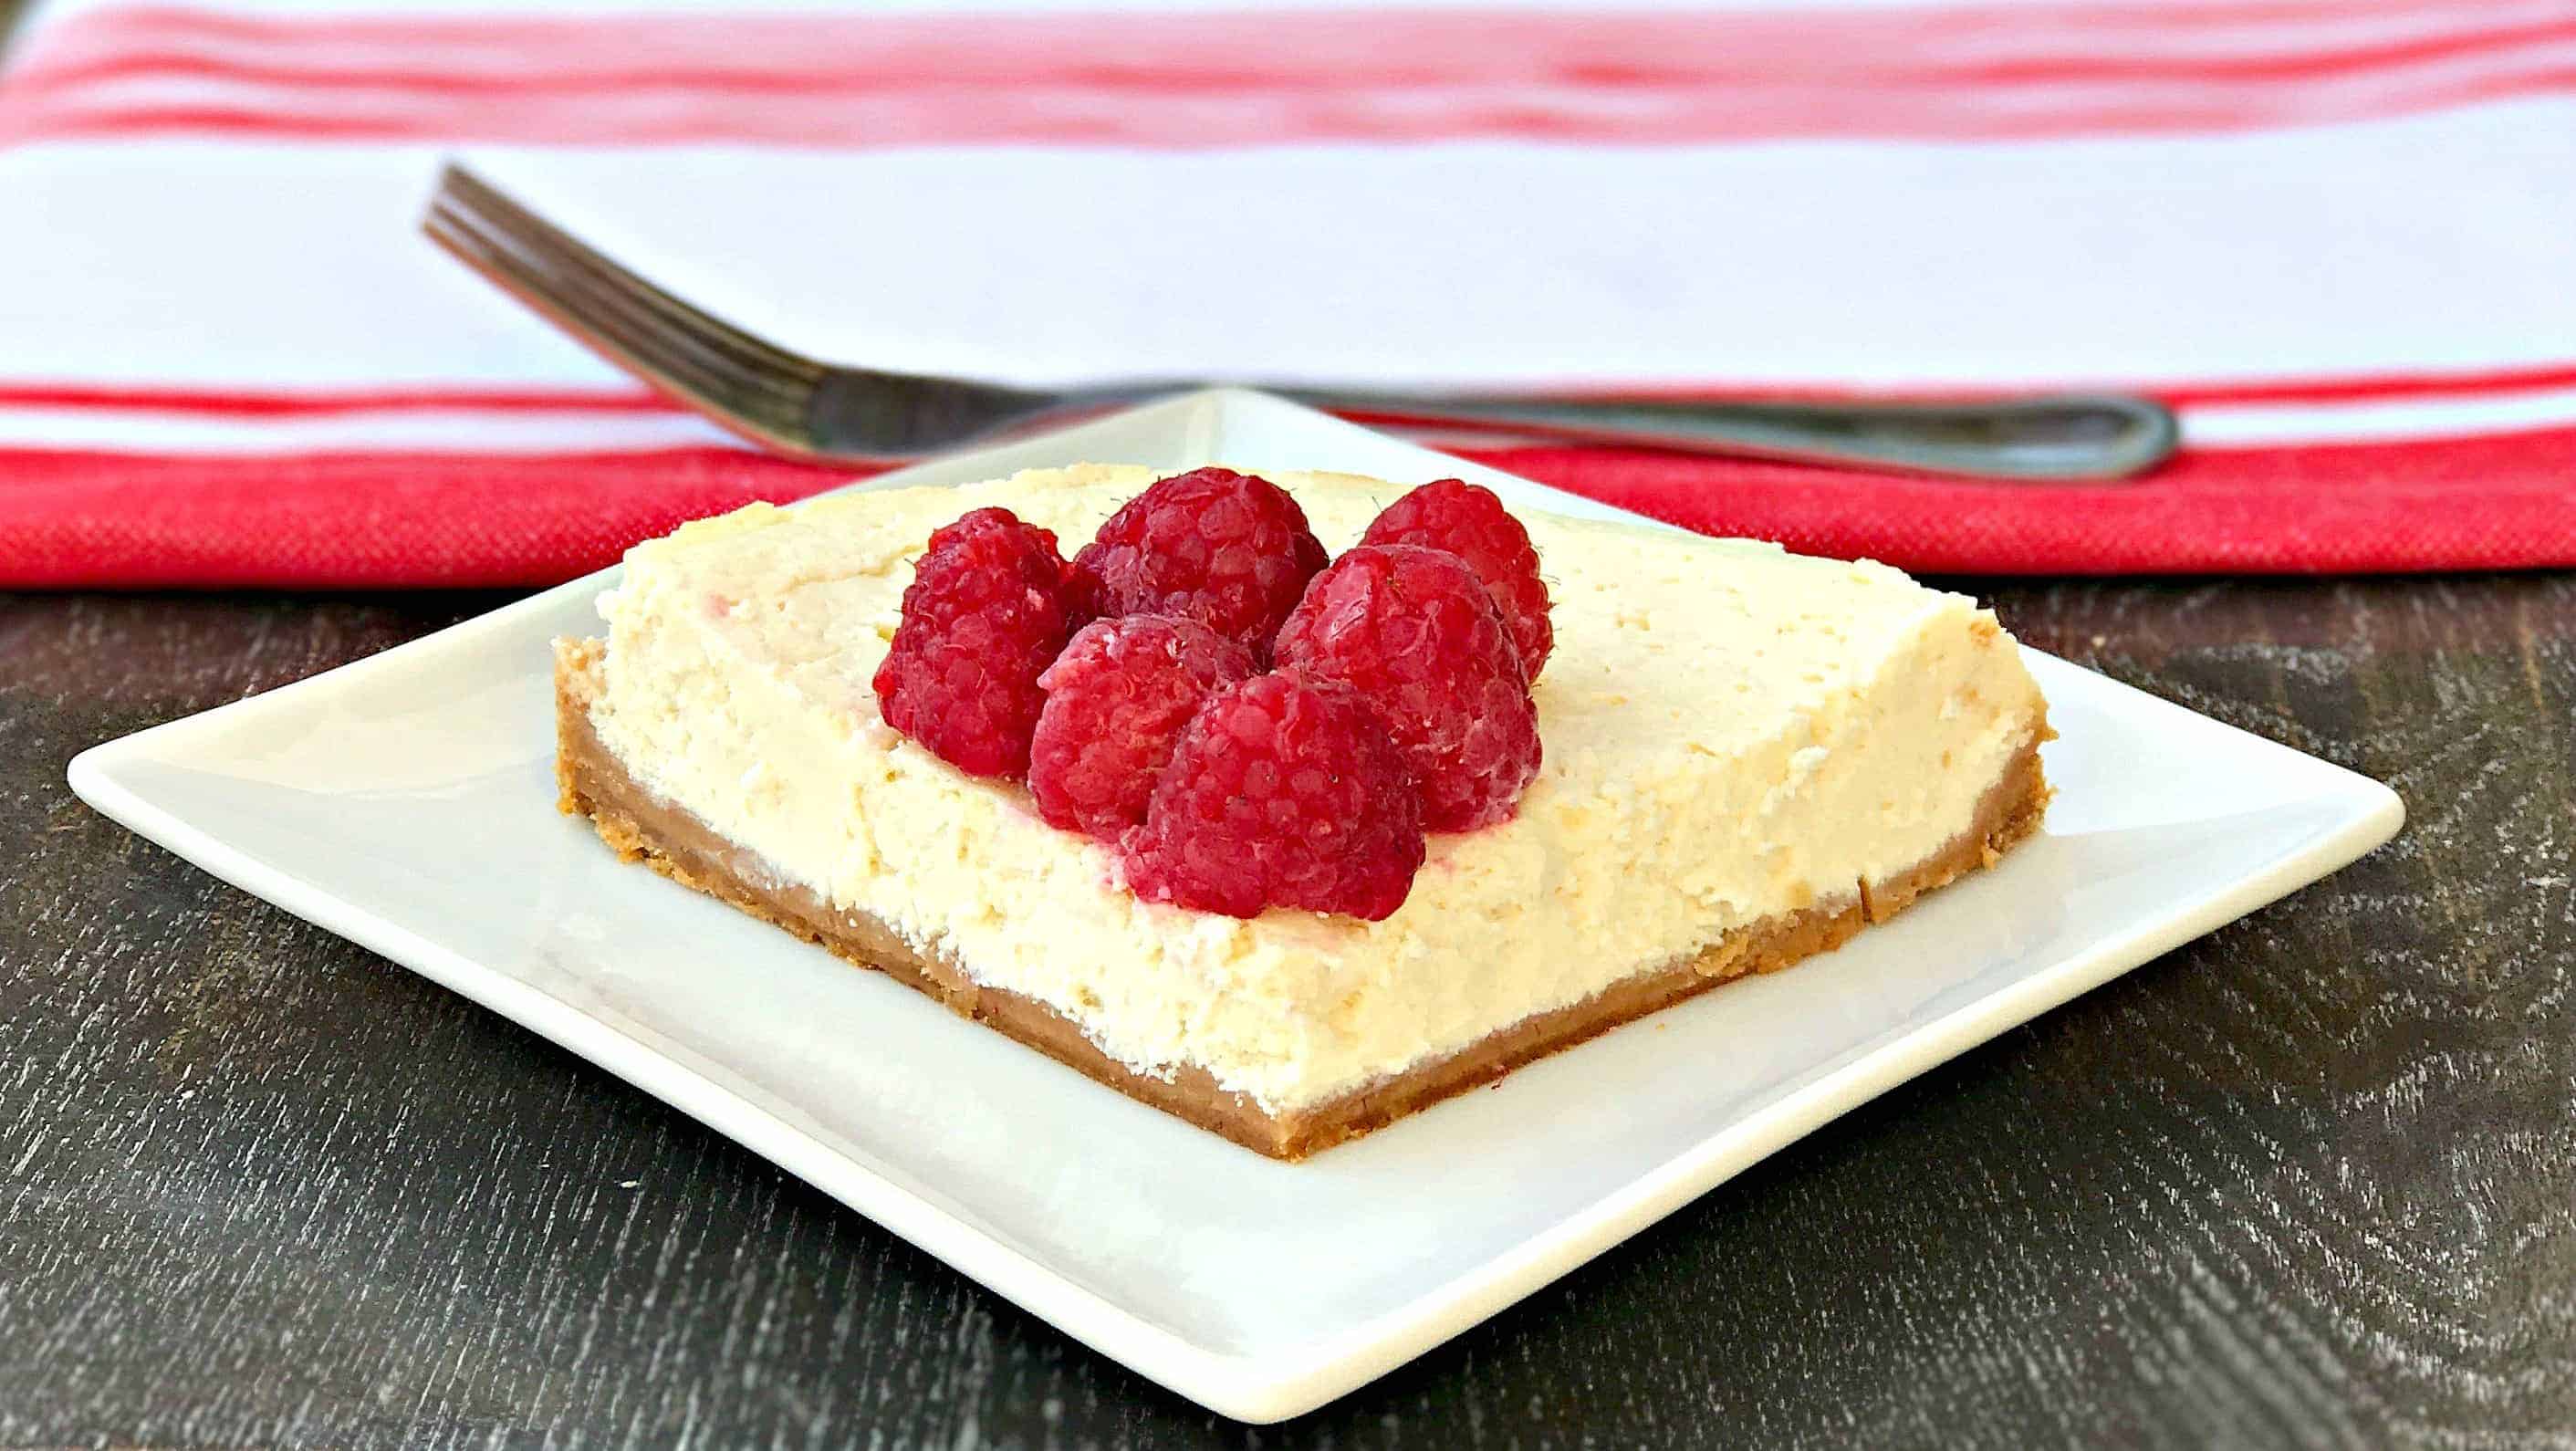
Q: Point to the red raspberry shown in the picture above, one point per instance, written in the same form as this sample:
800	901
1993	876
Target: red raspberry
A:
1283	792
1413	630
1228	550
1116	700
1471	523
984	614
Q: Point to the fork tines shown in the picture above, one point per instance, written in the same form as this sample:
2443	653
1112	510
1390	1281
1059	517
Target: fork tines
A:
706	361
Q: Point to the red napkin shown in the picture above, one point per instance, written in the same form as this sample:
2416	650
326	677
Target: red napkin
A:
376	520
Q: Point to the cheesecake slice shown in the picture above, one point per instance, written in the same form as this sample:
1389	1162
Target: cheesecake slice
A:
1749	755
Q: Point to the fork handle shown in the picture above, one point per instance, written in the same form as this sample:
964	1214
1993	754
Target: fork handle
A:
2027	439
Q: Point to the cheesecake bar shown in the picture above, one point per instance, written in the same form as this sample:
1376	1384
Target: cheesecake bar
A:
1749	755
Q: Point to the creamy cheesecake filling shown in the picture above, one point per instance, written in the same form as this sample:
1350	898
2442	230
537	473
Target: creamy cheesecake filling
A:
1732	733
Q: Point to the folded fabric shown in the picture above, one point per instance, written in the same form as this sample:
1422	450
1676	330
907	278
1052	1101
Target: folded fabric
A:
357	520
2334	233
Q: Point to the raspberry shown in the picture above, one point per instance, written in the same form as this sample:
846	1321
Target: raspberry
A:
1414	631
1228	550
1471	523
984	614
1116	700
1283	792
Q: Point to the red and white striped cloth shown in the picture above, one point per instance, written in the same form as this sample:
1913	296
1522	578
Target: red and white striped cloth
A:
2339	234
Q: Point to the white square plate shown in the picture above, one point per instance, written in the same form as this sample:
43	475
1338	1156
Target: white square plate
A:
407	802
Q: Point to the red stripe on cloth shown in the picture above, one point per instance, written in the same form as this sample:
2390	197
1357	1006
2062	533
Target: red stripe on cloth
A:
1647	58
71	519
1232	78
2359	388
1208	41
83	519
1098	118
625	399
2499	502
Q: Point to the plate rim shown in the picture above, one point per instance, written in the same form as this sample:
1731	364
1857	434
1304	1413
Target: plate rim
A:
1271	1385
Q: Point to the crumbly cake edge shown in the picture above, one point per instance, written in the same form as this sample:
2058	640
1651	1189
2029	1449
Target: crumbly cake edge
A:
639	826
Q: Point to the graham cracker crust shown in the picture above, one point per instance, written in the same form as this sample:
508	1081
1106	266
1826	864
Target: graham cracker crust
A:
676	843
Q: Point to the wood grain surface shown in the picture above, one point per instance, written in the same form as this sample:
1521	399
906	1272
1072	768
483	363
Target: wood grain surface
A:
2310	1181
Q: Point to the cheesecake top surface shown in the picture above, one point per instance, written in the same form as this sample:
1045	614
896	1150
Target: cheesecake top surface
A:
1667	642
1731	732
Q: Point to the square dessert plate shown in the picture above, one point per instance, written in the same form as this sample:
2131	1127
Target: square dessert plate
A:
407	802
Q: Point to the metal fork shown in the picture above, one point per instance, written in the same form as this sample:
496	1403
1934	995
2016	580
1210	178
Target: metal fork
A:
798	406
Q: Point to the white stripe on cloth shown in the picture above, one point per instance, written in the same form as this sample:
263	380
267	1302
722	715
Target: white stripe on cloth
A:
2428	242
403	430
465	429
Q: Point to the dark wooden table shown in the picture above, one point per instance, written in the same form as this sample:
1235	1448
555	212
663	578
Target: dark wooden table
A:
2310	1181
